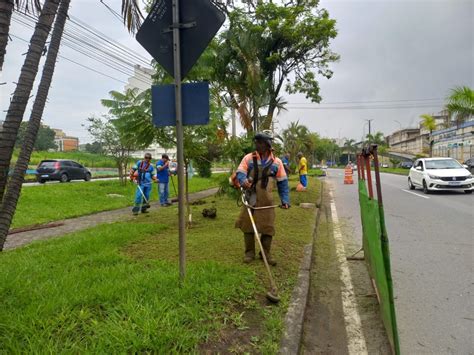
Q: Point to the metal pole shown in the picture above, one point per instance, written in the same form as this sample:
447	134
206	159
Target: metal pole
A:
179	139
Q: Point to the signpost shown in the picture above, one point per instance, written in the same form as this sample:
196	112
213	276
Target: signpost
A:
200	22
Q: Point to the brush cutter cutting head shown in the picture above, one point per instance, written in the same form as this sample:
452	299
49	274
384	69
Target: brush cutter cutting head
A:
272	297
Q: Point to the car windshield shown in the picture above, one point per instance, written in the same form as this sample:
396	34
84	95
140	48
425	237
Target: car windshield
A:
48	164
443	164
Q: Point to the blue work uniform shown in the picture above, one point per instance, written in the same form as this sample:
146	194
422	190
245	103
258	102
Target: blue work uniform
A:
145	172
163	176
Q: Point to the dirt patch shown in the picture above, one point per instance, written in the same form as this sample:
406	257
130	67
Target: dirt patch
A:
241	335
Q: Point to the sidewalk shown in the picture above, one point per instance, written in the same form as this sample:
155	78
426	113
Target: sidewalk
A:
76	224
342	315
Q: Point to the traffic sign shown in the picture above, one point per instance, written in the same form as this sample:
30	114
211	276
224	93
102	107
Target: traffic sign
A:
199	22
195	104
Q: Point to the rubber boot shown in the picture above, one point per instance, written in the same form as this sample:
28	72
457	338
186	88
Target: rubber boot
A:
249	247
266	244
135	210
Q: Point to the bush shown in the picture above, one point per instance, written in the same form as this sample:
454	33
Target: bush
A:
204	167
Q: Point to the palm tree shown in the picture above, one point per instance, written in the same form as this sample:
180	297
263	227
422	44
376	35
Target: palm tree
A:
23	89
13	190
350	147
429	123
461	104
6	10
131	14
132	17
377	138
295	138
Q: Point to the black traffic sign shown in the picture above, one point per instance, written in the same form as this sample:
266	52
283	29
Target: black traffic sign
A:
199	22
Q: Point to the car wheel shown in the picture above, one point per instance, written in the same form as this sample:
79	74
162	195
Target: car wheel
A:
64	178
425	188
41	181
87	177
410	185
468	191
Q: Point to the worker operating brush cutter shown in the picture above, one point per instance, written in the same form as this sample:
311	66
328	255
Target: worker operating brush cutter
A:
142	174
256	176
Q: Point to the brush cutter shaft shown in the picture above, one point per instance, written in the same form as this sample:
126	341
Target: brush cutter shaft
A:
263	207
143	195
259	242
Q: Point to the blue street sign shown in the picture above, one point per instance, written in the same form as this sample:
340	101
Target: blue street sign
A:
195	98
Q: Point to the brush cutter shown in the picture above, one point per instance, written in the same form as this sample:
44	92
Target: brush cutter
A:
272	295
147	204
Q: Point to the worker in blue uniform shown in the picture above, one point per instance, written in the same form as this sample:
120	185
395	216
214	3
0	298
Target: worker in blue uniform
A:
142	174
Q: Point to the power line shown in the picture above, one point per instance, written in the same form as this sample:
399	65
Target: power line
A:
364	102
78	25
363	108
72	61
95	52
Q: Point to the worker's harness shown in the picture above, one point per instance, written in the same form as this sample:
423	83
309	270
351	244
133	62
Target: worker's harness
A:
265	176
142	170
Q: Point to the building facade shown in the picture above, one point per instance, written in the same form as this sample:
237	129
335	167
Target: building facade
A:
409	140
456	142
65	143
156	152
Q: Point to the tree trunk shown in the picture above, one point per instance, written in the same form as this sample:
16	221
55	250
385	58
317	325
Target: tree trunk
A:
23	89
14	186
6	9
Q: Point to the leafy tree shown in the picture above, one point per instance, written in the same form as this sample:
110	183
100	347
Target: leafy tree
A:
429	123
264	43
44	139
94	148
115	142
461	104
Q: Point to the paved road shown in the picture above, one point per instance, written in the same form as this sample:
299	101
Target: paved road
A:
431	242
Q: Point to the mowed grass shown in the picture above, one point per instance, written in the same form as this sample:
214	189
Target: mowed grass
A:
114	288
52	202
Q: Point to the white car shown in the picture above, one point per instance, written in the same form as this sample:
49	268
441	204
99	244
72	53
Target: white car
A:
436	174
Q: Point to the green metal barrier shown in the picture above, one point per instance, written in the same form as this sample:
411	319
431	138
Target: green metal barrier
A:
376	249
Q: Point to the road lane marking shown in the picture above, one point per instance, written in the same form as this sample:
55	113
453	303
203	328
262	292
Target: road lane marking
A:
355	336
414	193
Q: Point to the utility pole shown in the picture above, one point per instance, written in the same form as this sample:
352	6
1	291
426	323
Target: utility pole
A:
369	127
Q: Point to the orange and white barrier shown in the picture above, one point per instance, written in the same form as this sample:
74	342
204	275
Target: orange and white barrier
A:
348	175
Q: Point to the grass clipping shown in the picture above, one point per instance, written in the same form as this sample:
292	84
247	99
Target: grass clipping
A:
114	288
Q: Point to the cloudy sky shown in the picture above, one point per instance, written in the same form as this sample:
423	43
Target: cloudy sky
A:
399	59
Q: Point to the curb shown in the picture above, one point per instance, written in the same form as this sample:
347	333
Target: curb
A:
294	319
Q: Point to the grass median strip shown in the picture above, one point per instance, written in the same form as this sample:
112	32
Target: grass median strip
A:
114	288
47	203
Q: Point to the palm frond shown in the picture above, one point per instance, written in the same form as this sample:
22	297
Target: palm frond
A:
132	15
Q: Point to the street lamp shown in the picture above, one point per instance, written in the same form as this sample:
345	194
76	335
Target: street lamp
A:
398	124
3	83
